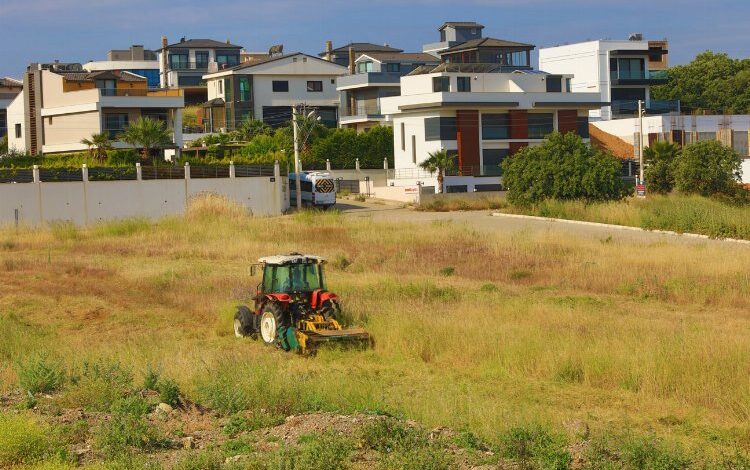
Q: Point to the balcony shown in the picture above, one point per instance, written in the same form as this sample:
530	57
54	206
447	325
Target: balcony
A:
368	79
638	77
630	108
140	92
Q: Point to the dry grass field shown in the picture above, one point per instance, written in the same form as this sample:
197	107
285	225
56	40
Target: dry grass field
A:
534	350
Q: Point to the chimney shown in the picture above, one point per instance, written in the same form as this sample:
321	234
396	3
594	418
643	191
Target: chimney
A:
228	41
351	60
329	50
164	62
182	39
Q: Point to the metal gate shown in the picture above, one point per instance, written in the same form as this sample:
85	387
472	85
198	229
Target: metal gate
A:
347	185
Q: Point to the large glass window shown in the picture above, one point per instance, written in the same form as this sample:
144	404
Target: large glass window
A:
583	126
495	126
314	86
244	89
107	87
441	84
554	83
364	67
518	58
540	125
491	160
201	59
630	69
115	124
280	86
463	84
440	128
393	68
292	278
178	61
227	89
740	143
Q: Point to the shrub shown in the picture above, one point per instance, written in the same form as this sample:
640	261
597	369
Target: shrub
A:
22	440
169	392
659	170
99	385
238	423
707	168
128	429
327	451
39	374
649	453
199	460
535	444
387	435
151	379
563	167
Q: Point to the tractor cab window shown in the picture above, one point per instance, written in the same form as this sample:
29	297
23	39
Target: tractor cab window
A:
292	278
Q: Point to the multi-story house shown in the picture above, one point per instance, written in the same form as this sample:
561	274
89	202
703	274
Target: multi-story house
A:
62	104
622	72
453	33
9	89
136	60
481	113
184	64
341	55
375	75
267	90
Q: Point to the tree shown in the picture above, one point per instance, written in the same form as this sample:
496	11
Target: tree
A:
376	145
98	145
3	145
659	170
712	82
707	168
438	162
147	134
562	167
250	128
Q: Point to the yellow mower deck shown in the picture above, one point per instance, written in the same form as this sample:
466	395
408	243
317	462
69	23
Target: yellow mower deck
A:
317	330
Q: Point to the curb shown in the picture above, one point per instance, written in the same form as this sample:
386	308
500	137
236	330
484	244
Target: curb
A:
620	227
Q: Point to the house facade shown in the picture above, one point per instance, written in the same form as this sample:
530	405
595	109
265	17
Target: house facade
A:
622	72
376	75
183	64
135	59
341	55
10	88
453	33
267	90
63	104
482	114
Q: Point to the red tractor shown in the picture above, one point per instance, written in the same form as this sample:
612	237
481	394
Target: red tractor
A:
293	309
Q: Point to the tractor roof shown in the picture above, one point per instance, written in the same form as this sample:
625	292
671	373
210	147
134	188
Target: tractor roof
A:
291	258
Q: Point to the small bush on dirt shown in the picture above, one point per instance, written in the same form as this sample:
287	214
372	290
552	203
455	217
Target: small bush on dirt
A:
128	429
98	386
151	380
327	451
420	458
535	445
39	374
387	435
169	392
650	453
238	423
22	440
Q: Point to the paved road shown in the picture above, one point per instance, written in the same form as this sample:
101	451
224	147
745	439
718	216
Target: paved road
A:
483	220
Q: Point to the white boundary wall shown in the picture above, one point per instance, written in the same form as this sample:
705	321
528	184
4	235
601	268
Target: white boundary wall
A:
89	202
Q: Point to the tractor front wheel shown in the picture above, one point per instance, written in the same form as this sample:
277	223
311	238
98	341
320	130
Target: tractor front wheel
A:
244	322
271	319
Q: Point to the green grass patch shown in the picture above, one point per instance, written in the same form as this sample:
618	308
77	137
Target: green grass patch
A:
23	440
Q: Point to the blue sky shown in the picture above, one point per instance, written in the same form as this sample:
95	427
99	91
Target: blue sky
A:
80	30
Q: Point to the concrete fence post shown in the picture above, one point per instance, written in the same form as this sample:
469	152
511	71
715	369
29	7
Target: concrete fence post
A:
138	172
328	165
278	199
356	164
385	164
35	173
85	173
231	169
187	170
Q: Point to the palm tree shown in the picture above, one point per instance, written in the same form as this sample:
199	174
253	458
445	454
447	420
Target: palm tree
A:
439	161
147	134
250	127
659	158
99	142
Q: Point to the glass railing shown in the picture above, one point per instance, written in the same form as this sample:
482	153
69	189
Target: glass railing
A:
630	107
638	75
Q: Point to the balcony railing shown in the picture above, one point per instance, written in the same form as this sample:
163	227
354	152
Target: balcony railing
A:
368	78
363	109
198	65
642	75
150	92
466	170
630	107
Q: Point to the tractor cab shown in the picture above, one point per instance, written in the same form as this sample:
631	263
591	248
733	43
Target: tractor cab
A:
292	274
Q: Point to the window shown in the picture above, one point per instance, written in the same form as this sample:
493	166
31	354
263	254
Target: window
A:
201	59
18	131
583	126
495	126
403	136
462	188
441	84
364	67
413	147
740	143
519	58
554	84
706	136
488	187
280	86
244	89
463	84
314	86
3	122
540	125
227	59
107	87
440	128
630	69
292	278
491	160
221	86
115	124
567	85
178	61
393	68
227	89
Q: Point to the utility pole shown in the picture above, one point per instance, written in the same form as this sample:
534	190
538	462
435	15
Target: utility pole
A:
640	141
297	181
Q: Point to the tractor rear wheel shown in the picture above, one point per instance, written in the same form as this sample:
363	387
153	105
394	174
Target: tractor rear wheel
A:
271	318
244	322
